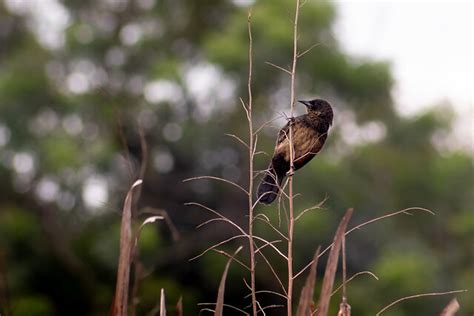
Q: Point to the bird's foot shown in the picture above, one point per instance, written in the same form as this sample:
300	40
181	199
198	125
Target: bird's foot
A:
290	173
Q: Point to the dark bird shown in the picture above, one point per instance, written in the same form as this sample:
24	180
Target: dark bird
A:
309	135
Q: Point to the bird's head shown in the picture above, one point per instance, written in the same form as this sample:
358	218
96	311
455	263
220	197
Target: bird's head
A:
319	107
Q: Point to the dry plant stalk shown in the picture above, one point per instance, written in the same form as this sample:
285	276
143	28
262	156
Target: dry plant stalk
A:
331	266
291	220
120	304
251	152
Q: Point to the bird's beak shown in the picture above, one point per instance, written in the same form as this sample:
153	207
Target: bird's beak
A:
304	102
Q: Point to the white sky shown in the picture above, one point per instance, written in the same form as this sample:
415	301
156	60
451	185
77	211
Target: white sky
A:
430	47
429	43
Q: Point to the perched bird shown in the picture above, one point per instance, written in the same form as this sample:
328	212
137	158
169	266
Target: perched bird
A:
309	135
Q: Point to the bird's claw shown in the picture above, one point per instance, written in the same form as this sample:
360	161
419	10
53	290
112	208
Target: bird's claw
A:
290	173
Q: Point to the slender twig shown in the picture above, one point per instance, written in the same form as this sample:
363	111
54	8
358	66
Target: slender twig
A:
416	296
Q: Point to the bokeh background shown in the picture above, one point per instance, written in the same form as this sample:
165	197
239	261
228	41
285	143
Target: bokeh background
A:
79	78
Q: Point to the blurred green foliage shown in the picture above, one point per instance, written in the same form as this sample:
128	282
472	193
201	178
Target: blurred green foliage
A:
70	112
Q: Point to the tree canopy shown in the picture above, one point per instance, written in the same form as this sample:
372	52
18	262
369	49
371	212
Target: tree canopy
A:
75	96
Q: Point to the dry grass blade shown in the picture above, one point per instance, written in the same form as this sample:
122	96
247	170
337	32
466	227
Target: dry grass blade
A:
179	307
149	220
416	296
331	265
162	303
120	303
160	212
307	292
220	294
451	309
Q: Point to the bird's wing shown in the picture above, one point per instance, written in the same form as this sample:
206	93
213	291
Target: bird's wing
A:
283	133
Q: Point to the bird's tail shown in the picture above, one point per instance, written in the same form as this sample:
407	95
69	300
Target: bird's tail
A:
269	187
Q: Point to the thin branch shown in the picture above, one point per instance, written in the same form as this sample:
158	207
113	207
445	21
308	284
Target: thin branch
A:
271	245
265	124
278	67
404	211
315	207
269	292
218	214
222	252
416	296
218	179
274	273
239	140
265	245
352	278
245	108
266	221
217	245
308	50
225	305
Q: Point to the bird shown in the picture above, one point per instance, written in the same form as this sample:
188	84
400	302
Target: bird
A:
309	133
